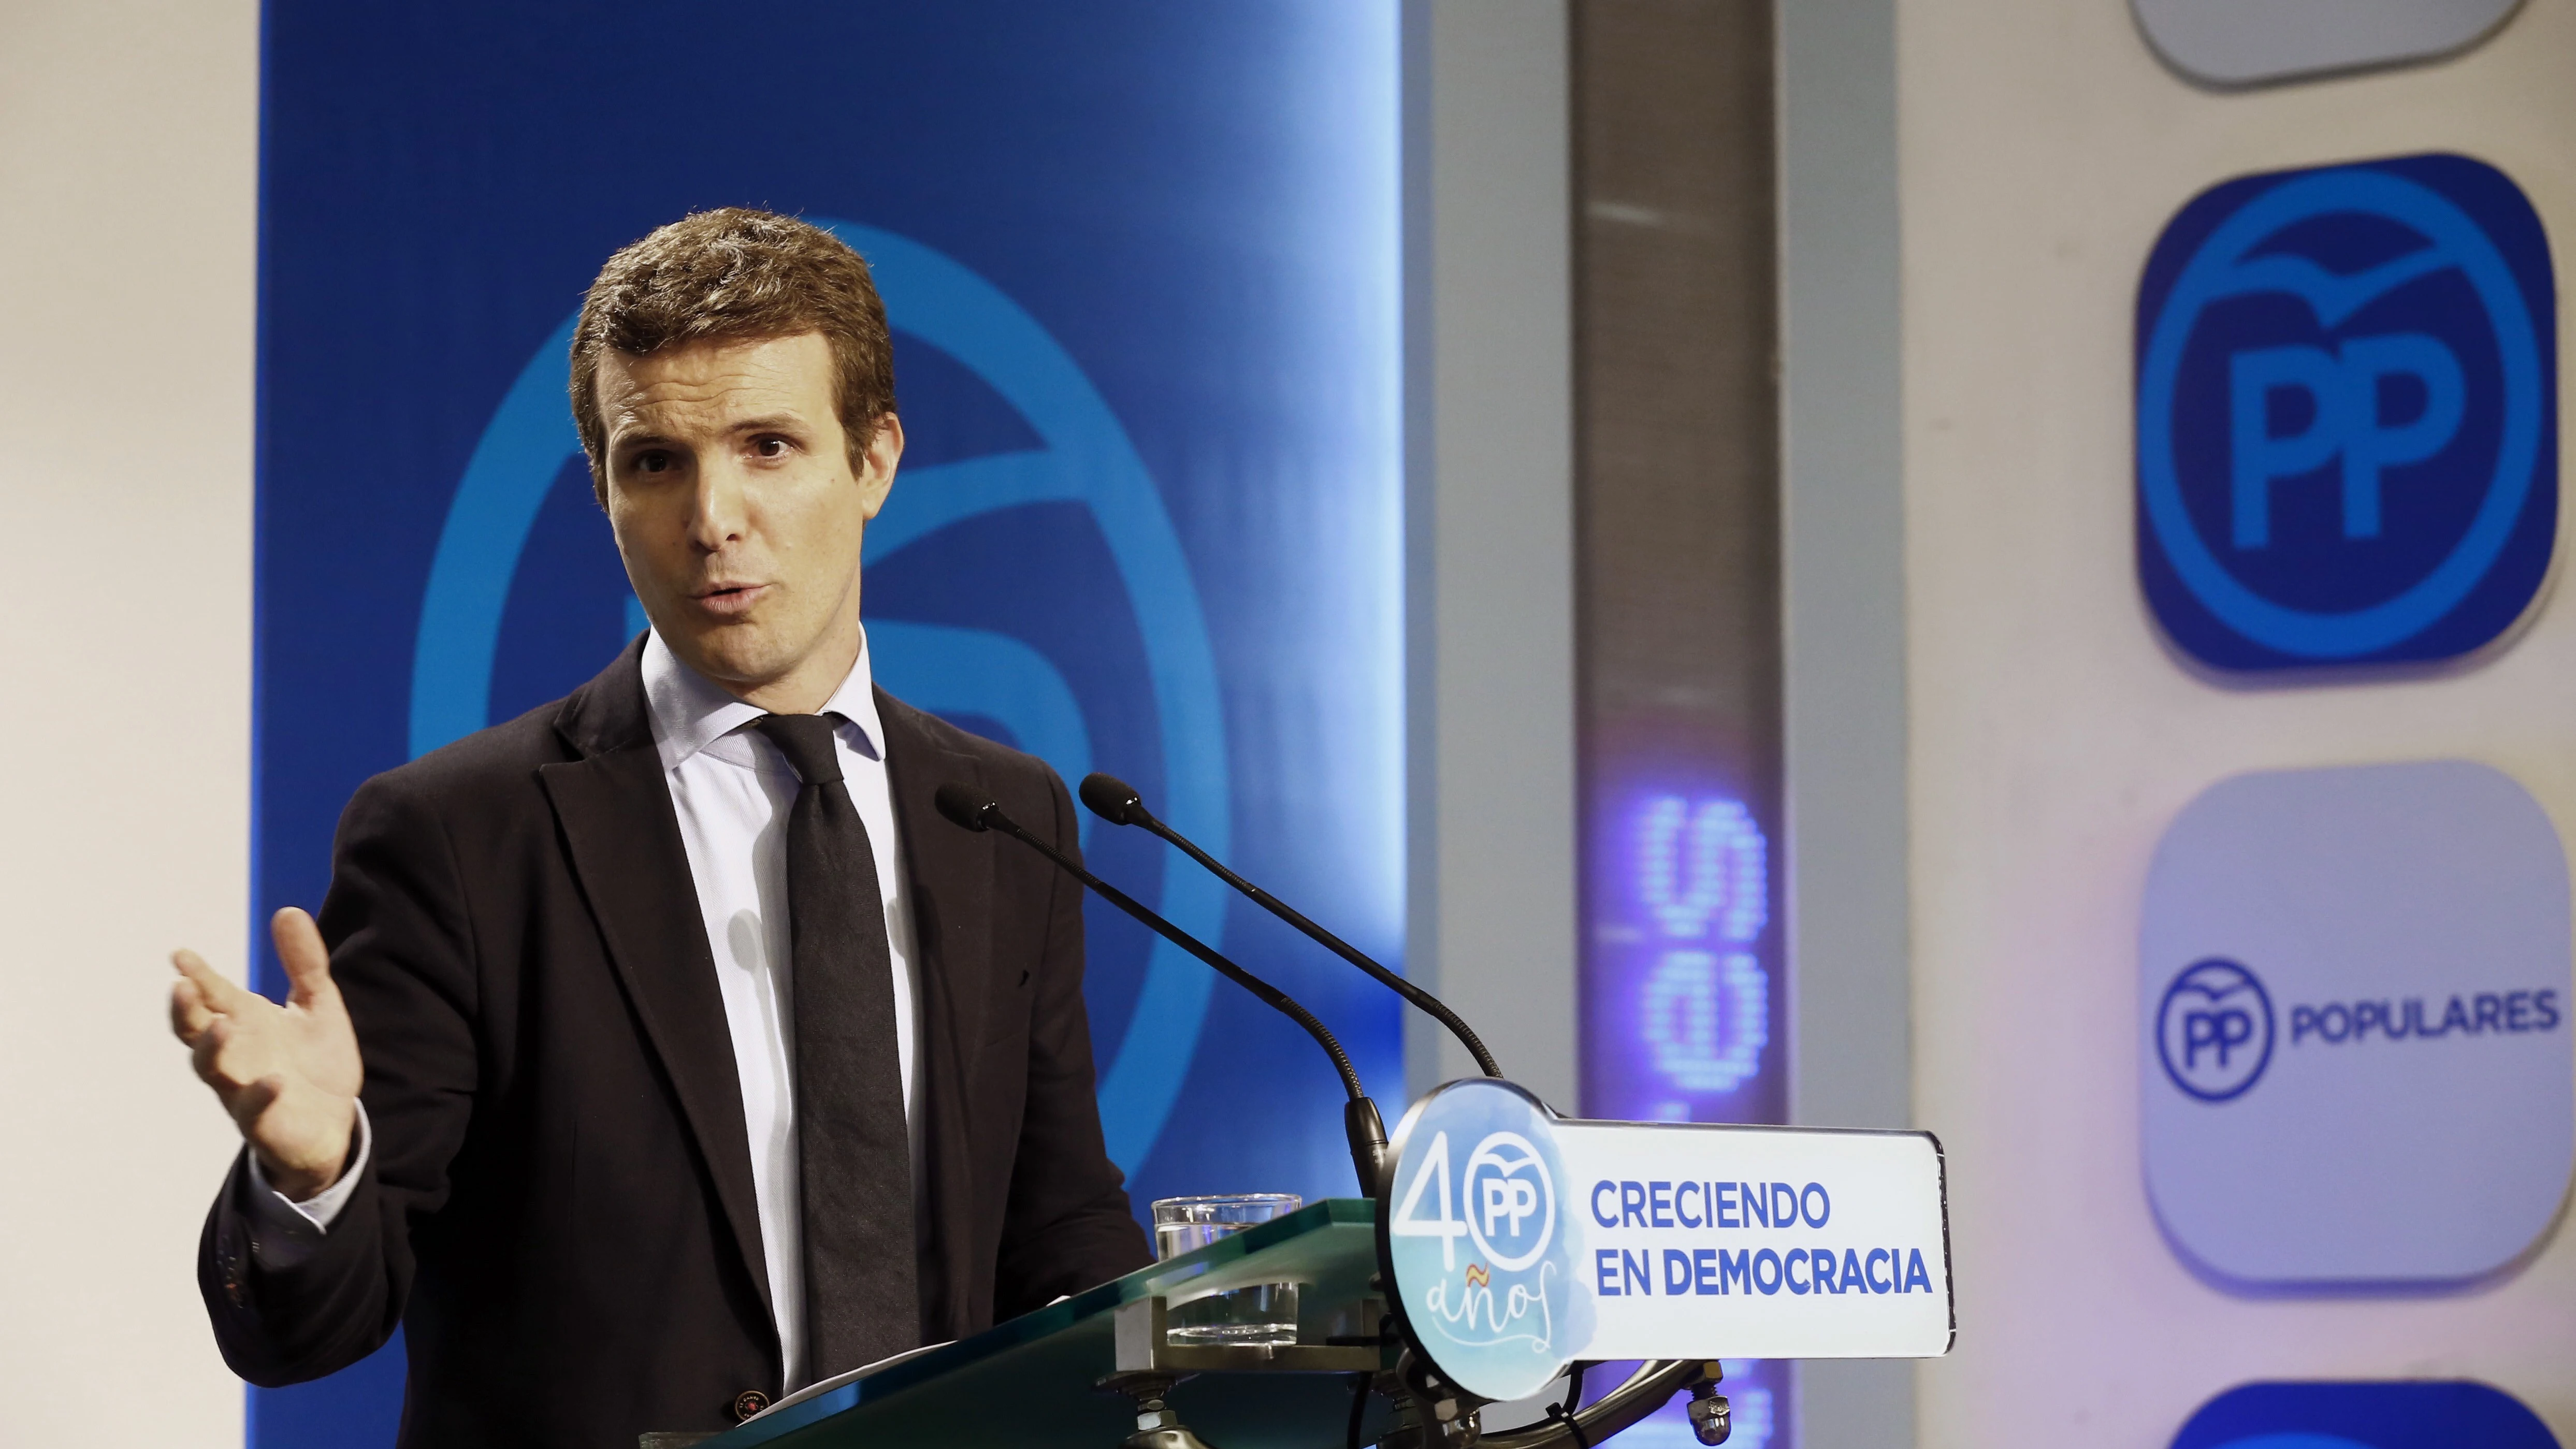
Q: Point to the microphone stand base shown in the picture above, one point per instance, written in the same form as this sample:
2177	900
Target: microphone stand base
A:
1157	1427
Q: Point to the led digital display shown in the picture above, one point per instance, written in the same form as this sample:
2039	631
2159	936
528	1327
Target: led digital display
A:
1703	876
1679	987
1683	972
1684	1018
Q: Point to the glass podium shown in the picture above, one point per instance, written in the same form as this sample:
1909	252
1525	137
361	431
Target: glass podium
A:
1078	1374
1035	1382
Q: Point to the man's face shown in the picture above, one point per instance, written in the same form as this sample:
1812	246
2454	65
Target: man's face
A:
738	512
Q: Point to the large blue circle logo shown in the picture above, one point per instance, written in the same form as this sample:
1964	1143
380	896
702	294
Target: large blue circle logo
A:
2346	416
1086	459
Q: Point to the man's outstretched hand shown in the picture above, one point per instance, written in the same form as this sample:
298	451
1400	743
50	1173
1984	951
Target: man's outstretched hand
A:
288	1074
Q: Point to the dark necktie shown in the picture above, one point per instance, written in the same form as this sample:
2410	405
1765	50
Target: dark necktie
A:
861	1298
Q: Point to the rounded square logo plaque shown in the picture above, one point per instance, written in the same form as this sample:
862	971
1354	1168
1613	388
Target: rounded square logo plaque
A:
2249	42
2417	1414
2354	1045
2347	417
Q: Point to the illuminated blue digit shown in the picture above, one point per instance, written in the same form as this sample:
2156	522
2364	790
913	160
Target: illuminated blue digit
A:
1695	866
1707	1018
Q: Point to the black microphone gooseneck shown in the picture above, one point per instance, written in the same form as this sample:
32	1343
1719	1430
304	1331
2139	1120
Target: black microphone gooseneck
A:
966	806
1117	802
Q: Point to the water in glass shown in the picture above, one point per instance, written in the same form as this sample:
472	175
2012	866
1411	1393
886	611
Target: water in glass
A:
1263	1314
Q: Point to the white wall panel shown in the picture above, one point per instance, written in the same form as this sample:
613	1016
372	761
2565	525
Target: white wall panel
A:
2052	739
128	143
1842	550
1489	554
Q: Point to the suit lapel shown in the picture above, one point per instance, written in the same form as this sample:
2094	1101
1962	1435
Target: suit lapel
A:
626	850
625	844
950	880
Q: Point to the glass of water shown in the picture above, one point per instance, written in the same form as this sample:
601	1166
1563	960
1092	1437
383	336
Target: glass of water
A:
1265	1314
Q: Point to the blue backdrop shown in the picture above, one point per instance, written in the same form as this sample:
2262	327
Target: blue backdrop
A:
1142	262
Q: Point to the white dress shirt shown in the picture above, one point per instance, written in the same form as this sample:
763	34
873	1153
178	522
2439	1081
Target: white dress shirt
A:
732	791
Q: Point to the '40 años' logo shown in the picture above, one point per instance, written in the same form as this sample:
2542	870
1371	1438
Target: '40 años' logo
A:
1482	1256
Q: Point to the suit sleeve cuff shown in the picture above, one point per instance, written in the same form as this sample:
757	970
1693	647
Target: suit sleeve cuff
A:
286	1232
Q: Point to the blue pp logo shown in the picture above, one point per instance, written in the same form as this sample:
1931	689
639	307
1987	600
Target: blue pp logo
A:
2414	1414
1511	1201
2347	415
2214	1030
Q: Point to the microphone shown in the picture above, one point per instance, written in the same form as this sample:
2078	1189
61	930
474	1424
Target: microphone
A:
973	809
1117	802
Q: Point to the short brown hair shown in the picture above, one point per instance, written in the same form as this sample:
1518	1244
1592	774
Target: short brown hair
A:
736	274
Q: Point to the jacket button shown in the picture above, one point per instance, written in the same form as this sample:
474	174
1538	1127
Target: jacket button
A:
748	1403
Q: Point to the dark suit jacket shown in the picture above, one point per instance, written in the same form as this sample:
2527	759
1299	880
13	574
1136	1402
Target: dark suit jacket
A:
558	1205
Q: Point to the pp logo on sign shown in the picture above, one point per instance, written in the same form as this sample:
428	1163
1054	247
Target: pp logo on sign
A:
2214	1031
1512	1201
1480	1262
2347	425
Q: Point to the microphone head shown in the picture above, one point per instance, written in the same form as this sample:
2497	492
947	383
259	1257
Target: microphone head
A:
965	805
1113	800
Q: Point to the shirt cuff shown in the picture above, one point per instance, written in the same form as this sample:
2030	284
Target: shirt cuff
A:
289	1230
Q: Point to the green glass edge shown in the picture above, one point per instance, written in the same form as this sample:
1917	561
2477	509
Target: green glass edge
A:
1053	1319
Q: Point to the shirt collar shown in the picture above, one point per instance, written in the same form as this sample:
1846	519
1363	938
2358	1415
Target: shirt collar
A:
692	713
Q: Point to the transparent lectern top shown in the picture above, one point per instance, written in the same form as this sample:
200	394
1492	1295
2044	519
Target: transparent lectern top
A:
1031	1383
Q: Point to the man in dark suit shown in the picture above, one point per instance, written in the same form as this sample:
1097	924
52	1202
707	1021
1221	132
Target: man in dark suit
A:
661	1051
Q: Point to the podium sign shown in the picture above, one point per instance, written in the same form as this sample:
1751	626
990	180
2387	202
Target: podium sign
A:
1508	1243
1517	1241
